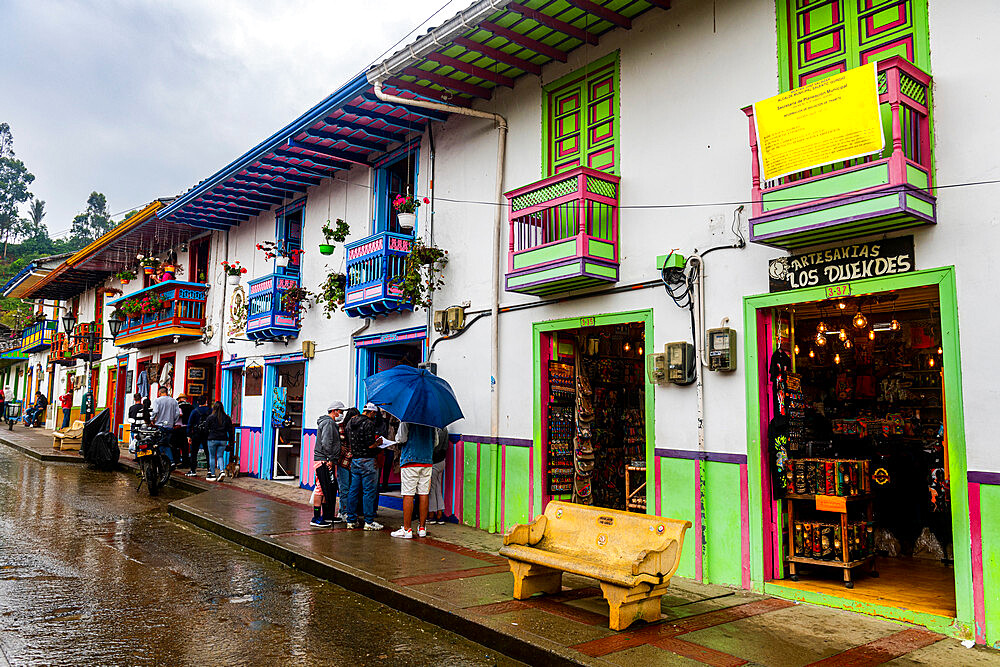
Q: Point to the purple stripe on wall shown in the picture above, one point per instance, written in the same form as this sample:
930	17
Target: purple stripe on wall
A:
711	457
489	440
984	477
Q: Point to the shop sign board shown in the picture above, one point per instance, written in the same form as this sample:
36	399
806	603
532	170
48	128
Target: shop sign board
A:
853	261
825	122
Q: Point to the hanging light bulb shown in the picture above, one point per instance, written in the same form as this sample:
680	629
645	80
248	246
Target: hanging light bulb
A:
894	325
821	327
627	346
930	362
860	320
940	351
836	358
847	344
639	350
820	339
796	349
843	335
841	305
812	353
871	334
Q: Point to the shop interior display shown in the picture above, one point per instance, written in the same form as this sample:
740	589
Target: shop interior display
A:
596	417
856	432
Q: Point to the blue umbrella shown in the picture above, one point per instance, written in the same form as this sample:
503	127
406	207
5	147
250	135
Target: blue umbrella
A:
414	395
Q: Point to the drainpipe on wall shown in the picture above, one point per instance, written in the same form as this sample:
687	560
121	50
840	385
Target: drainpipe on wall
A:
497	222
430	234
702	364
222	309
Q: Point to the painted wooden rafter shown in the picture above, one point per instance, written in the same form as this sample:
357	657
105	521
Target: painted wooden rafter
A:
558	25
361	112
472	70
278	186
313	159
353	141
285	176
602	12
243	204
227	207
429	114
302	169
499	56
374	133
448	82
346	156
524	41
265	187
249	195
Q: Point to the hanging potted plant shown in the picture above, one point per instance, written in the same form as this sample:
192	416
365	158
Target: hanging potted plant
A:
330	234
422	273
332	292
296	300
125	276
406	211
149	265
278	252
111	291
233	272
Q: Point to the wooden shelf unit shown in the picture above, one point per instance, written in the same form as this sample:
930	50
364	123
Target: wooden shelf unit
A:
844	564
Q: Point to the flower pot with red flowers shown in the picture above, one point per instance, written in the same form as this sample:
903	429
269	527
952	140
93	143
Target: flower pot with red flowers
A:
233	272
406	211
279	252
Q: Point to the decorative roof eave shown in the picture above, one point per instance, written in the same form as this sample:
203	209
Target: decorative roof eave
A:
27	278
494	42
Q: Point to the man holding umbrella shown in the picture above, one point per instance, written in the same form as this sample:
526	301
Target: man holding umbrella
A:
415	463
364	476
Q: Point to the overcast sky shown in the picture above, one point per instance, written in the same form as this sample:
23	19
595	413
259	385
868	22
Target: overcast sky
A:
141	99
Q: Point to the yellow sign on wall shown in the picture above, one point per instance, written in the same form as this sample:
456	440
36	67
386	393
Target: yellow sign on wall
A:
825	122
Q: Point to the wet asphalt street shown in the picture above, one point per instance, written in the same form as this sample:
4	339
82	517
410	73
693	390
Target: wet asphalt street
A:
92	572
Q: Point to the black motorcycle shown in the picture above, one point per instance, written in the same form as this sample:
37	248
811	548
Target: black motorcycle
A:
154	466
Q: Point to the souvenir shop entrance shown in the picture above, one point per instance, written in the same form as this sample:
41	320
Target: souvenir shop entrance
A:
858	407
594	411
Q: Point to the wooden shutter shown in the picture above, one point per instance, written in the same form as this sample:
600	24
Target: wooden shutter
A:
581	119
819	38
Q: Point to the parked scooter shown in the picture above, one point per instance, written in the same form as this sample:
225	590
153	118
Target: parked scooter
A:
154	466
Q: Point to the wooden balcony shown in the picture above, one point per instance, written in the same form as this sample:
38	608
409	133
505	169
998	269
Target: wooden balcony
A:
61	352
563	233
268	316
183	315
861	197
38	336
375	266
87	343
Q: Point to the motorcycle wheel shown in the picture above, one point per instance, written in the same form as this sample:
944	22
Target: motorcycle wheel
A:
164	470
150	477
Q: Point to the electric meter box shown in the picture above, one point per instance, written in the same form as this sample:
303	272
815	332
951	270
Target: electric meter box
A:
721	345
440	320
656	367
680	362
456	318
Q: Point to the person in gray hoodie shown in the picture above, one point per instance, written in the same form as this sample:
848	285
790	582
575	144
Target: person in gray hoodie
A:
326	455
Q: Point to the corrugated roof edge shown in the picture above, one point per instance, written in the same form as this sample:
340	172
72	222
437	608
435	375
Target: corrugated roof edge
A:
21	275
341	96
434	39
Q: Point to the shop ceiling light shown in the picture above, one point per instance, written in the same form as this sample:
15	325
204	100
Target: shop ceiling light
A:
843	335
796	349
812	354
836	358
841	305
860	321
820	339
627	346
847	344
930	362
940	351
894	325
871	334
821	327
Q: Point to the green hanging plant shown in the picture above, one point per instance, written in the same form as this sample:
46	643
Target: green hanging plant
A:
296	300
330	234
423	273
332	292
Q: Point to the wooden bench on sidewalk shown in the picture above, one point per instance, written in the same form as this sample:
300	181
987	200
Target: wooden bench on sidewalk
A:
70	439
632	555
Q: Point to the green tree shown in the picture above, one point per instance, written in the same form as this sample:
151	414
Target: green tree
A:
15	180
94	222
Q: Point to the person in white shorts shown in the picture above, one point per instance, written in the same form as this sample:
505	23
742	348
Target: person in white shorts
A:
415	461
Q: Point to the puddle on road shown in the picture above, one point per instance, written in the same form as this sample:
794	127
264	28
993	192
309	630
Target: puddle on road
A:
92	572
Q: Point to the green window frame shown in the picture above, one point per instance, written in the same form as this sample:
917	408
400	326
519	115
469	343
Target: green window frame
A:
581	116
820	38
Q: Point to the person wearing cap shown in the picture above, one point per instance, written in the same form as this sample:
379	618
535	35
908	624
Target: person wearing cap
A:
364	477
325	458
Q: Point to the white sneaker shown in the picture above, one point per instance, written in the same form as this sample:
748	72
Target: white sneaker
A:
222	476
402	532
374	525
421	532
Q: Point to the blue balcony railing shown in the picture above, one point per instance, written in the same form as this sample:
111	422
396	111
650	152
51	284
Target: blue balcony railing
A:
181	316
268	316
375	267
38	336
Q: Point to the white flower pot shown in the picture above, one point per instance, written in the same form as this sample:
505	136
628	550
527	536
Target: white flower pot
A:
281	261
232	280
407	221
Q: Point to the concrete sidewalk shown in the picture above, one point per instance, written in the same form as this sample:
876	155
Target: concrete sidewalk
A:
455	579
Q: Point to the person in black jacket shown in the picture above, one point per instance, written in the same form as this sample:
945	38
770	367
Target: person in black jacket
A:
326	455
220	436
364	477
196	436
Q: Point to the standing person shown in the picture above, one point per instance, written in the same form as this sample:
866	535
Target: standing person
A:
435	506
220	436
164	415
384	429
326	455
344	472
38	408
196	436
415	461
364	476
136	415
179	437
66	404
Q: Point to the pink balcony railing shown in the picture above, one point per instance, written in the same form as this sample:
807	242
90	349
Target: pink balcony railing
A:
563	232
869	195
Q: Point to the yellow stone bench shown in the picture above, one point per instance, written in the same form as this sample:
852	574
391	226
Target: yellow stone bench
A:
632	555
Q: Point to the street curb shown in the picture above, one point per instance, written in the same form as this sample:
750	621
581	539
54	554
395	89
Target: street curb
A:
488	632
55	456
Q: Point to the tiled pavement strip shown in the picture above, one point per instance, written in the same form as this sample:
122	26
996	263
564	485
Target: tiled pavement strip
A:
457	573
